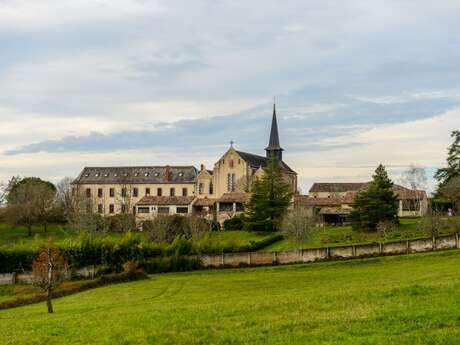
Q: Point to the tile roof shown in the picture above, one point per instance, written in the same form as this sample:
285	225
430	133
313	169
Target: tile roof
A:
166	200
141	175
204	202
256	161
235	197
337	187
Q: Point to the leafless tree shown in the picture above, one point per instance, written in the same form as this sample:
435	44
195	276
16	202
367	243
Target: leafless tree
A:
385	229
298	226
415	178
49	271
197	227
432	223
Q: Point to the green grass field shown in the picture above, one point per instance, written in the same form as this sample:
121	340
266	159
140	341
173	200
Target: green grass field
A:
411	299
344	235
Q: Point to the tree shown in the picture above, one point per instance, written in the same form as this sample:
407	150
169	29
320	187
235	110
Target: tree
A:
299	226
30	201
270	198
444	175
451	190
49	271
376	204
415	178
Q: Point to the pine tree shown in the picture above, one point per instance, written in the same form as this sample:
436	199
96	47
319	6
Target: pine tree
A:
444	175
270	199
376	204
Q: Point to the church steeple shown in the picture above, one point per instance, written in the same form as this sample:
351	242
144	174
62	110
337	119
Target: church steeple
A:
274	149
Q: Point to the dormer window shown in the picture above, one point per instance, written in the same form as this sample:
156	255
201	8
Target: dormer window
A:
146	174
86	175
97	174
116	174
181	174
157	174
125	174
136	174
106	174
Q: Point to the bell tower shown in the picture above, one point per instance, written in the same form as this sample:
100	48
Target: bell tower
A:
274	149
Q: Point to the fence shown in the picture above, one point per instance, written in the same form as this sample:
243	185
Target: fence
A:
331	253
290	257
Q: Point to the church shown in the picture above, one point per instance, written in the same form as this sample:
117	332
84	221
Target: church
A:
148	191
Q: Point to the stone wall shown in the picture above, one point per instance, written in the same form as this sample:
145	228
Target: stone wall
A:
334	253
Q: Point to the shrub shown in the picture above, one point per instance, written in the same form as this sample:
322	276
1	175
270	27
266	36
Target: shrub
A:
234	223
171	264
121	223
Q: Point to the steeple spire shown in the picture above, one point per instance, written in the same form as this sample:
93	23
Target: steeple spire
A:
274	149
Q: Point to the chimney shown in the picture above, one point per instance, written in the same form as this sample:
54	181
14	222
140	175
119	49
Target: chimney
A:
202	167
168	173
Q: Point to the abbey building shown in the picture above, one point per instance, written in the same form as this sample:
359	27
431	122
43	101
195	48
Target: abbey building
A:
148	191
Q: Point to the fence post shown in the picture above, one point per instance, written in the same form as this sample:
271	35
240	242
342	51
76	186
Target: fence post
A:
328	253
407	246
434	243
457	244
275	257
14	278
249	258
380	248
353	250
223	259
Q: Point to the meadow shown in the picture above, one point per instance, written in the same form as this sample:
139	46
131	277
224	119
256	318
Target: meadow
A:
411	299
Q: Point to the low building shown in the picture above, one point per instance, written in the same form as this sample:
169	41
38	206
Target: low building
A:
333	202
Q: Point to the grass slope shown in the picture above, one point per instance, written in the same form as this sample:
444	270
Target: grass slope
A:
344	235
392	300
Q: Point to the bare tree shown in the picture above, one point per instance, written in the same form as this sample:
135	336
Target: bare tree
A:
197	227
298	226
385	229
415	178
49	271
432	223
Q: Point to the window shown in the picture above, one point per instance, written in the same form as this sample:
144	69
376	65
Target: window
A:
211	188
181	210
135	192
239	207
111	208
159	192
200	188
181	174
172	192
123	192
112	192
231	163
231	182
147	191
88	192
184	191
163	210
123	208
99	208
143	210
99	192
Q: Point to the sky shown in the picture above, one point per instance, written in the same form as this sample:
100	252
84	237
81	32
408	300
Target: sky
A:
100	83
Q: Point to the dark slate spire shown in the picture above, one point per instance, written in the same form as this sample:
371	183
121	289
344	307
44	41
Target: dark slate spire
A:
274	149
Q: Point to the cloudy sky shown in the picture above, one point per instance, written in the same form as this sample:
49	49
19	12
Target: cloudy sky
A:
144	82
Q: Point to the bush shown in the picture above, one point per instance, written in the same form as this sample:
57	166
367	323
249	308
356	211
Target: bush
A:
121	223
171	264
234	223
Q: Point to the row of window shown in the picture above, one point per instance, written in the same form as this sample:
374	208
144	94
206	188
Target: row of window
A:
163	210
201	188
146	174
135	192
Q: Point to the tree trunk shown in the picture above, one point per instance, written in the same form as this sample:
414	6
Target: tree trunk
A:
29	229
45	227
49	304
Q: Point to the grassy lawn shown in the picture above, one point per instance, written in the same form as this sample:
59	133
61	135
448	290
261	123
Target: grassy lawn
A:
411	299
344	235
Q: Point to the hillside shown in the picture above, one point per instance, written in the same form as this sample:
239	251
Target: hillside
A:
398	300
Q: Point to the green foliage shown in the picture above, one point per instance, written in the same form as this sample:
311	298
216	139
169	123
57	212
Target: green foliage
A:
121	223
376	204
452	170
233	224
270	198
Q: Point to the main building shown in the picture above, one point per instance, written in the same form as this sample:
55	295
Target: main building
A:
148	191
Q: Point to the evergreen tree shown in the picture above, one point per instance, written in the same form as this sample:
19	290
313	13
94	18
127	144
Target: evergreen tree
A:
376	204
444	175
270	199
